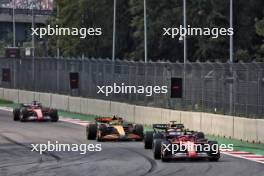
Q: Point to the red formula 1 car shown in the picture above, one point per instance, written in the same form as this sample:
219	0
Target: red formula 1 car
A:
174	143
114	129
35	112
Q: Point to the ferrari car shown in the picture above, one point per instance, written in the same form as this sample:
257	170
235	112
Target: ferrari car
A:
172	141
114	129
35	112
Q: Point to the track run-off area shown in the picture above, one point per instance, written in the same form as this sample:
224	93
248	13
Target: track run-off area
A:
116	158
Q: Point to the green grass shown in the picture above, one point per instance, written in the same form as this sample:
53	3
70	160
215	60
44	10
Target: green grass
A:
3	102
77	116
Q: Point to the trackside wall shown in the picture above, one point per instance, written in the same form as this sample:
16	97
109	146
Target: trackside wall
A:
215	124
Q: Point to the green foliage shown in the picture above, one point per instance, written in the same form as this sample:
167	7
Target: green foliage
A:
248	28
242	55
260	27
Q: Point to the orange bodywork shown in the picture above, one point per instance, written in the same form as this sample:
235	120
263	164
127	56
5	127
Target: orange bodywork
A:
117	136
107	119
120	134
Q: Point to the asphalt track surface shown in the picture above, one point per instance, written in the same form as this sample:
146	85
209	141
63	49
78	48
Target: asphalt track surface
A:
115	159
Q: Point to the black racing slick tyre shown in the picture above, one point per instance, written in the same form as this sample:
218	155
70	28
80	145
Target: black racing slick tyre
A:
91	132
200	135
23	115
148	140
214	154
54	116
16	114
165	153
157	148
139	130
103	131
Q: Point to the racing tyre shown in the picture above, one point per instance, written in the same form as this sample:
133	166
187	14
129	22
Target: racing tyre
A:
148	140
91	131
23	115
54	116
16	113
214	159
157	149
213	155
139	130
165	153
164	159
200	135
103	130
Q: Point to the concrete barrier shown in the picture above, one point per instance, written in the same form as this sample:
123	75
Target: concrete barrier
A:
75	104
117	108
124	110
187	119
129	112
84	106
238	128
60	102
250	130
11	94
99	107
2	93
246	129
206	123
260	131
165	115
26	96
45	99
196	121
222	125
175	116
147	115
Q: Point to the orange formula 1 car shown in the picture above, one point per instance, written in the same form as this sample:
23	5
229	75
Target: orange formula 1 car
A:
35	112
114	129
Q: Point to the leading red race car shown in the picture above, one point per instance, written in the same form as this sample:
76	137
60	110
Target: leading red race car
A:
171	142
35	112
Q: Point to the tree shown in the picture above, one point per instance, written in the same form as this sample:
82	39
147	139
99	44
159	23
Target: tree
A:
248	29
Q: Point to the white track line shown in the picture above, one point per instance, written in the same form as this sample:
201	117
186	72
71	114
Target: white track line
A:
245	155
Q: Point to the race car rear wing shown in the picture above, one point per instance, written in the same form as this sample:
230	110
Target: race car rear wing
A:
108	119
160	126
166	126
25	104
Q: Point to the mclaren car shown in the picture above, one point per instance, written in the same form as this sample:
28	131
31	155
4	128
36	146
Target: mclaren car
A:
114	129
35	112
174	142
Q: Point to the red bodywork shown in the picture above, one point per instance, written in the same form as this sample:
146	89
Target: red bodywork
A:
37	110
189	141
